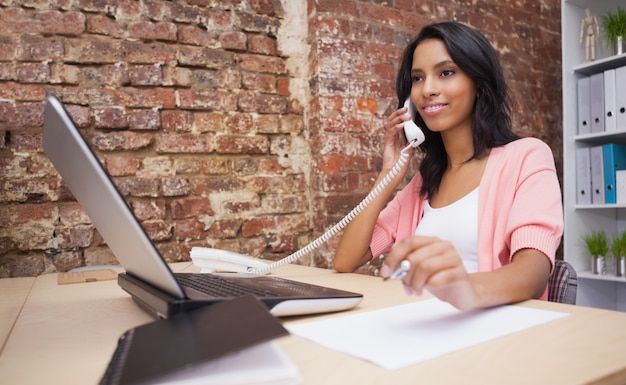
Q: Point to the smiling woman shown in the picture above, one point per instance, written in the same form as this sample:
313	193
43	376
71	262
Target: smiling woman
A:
481	222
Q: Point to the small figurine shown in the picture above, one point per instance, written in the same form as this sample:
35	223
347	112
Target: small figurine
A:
590	29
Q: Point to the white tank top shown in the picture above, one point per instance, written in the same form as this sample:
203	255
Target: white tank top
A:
456	223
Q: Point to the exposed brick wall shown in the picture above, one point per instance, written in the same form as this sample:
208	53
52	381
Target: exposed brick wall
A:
246	125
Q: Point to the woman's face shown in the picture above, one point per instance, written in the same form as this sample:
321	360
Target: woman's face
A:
442	93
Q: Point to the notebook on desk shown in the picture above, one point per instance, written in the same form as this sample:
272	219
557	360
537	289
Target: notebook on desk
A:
148	278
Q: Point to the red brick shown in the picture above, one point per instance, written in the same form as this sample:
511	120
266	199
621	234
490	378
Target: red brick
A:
326	24
103	25
122	140
26	141
261	64
149	209
189	229
174	187
74	236
203	166
225	229
204	57
146	97
207	122
28	264
283	86
215	184
262	44
18	20
110	118
72	213
241	206
190	208
190	34
139	52
62	23
206	100
158	230
38	48
99	256
283	243
340	162
145	75
79	114
262	103
260	82
367	105
266	7
138	187
122	165
343	8
228	144
8	71
28	191
234	41
174	252
92	50
185	143
143	119
152	31
176	120
22	92
268	225
236	124
253	246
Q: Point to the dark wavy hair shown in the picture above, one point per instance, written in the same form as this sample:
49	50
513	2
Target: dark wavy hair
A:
491	118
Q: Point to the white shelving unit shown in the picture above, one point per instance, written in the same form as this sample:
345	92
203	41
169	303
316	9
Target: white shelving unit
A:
602	291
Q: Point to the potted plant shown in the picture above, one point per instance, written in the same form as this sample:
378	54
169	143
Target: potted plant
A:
618	249
614	28
597	243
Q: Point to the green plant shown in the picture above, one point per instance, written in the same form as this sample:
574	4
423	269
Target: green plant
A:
618	245
614	25
597	242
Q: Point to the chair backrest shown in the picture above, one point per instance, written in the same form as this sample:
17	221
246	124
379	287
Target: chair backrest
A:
563	283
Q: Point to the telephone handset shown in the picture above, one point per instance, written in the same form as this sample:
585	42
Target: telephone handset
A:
414	136
413	133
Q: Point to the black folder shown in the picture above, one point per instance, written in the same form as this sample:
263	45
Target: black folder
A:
147	352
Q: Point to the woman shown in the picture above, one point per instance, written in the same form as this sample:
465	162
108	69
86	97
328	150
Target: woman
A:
482	220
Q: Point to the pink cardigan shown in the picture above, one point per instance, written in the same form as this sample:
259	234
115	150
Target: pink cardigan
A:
519	206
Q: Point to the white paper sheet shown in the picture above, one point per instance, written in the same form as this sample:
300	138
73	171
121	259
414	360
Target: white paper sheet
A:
407	334
262	364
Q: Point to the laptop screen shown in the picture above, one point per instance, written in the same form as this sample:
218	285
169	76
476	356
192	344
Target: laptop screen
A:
108	210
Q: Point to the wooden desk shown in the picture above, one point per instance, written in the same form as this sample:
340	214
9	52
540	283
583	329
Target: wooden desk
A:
67	333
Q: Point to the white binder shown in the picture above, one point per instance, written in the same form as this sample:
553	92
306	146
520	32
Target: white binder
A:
610	115
596	87
620	97
584	105
583	176
597	175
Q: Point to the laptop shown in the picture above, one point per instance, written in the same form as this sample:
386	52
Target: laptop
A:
147	277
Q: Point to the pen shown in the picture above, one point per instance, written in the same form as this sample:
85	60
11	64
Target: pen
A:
400	271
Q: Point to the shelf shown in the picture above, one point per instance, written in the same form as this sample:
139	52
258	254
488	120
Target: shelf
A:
587	274
601	65
605	291
600	206
588	3
603	137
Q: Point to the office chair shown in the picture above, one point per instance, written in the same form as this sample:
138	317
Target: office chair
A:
563	283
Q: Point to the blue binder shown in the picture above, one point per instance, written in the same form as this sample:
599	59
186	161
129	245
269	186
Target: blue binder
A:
614	159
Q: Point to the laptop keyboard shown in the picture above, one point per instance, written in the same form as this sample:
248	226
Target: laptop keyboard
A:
217	286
